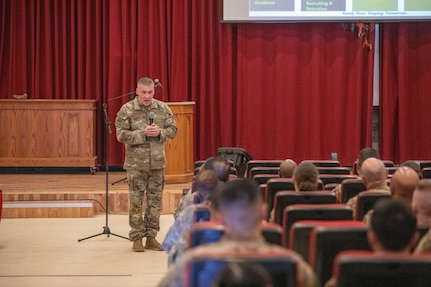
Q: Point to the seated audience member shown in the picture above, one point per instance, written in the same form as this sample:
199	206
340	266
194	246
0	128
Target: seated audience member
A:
175	242
243	274
413	165
219	166
364	154
392	230
374	175
403	183
287	168
239	207
421	206
306	177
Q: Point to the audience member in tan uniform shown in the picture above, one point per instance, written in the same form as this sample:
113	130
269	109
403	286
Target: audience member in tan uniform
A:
364	153
305	178
392	230
239	207
374	175
403	183
287	168
421	206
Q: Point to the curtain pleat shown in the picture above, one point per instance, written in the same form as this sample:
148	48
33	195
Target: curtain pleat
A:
279	90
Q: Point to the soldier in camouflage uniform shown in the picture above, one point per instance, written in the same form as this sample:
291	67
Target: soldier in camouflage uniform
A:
145	160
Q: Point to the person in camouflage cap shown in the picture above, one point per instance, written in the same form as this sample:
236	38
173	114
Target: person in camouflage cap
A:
145	159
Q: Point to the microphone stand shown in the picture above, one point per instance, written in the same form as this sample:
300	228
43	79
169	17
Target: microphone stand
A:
106	229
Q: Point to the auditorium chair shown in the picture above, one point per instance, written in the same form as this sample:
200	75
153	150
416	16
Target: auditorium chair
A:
355	268
202	213
334	178
350	188
262	191
286	198
204	268
205	232
333	170
264	170
327	241
263	178
424	163
324	163
274	185
272	233
391	170
330	186
237	155
300	232
297	212
198	163
388	163
366	201
426	172
261	163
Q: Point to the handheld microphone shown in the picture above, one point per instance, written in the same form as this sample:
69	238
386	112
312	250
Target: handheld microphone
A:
157	83
151	118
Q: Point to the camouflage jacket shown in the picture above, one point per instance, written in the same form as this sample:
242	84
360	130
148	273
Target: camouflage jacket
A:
144	152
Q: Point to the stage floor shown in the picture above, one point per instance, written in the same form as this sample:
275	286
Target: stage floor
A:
77	187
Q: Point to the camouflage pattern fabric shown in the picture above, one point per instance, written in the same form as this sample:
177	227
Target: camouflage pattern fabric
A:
145	161
152	182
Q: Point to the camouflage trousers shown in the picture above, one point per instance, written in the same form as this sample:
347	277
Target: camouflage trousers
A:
151	183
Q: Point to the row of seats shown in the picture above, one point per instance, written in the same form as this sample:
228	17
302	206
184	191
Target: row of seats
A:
317	241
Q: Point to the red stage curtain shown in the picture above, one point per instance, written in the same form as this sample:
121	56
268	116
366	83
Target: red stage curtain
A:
406	90
278	90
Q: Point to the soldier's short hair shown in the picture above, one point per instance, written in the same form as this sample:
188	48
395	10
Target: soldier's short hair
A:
145	81
242	191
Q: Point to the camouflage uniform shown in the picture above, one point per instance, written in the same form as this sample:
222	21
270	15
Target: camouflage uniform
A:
177	274
145	161
424	245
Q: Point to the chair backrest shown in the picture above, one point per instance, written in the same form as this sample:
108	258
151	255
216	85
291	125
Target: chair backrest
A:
333	170
274	185
391	170
272	233
286	198
366	269
237	155
388	163
198	163
366	201
205	232
263	178
424	163
261	163
330	186
297	212
426	172
264	170
350	188
202	213
300	233
334	178
204	269
324	163
327	241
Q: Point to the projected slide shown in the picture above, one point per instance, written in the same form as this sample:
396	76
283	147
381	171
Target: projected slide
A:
272	5
325	10
373	5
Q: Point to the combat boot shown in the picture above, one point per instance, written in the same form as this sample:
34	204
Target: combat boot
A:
137	246
153	244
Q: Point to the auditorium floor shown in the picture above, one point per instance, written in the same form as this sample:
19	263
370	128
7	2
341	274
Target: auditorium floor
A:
45	252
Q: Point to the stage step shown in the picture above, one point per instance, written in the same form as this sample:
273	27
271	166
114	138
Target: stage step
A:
48	209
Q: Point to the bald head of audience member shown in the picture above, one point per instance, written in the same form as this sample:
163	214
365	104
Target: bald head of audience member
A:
219	166
421	202
239	207
365	153
403	183
413	165
306	177
374	173
392	227
287	168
